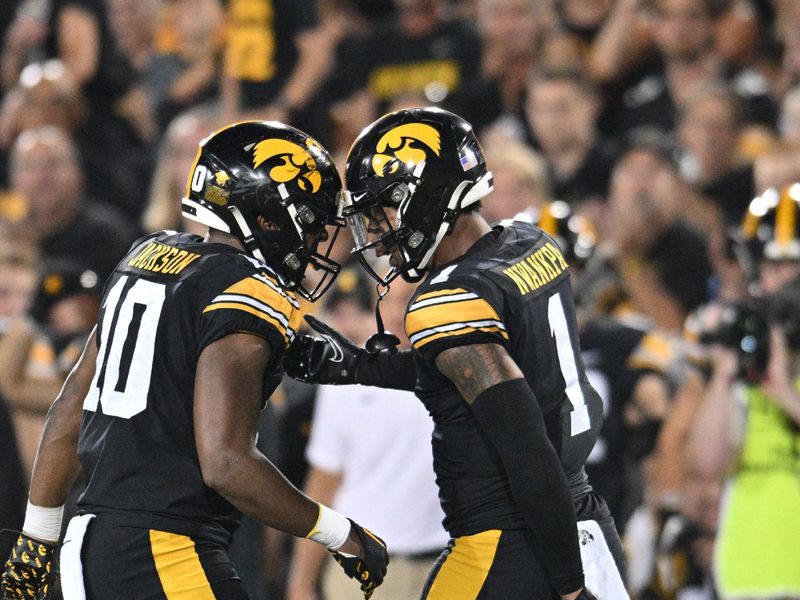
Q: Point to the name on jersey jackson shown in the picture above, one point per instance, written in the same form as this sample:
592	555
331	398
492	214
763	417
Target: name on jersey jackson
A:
537	269
161	258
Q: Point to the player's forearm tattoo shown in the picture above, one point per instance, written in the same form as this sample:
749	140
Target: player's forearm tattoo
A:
477	367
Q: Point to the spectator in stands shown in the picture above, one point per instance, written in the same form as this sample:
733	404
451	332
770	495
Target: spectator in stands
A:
390	452
520	181
17	281
274	58
561	112
46	172
683	33
423	51
709	129
176	155
745	435
133	25
661	260
789	122
41	346
511	33
186	73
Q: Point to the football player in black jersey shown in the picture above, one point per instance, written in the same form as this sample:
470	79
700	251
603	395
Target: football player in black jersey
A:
161	410
495	360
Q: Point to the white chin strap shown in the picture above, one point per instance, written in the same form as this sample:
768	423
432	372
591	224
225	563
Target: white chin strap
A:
247	233
198	213
479	189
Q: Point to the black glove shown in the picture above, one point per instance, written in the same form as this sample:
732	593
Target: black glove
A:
28	570
370	570
329	359
586	594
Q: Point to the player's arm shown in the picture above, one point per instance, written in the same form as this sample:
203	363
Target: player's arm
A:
509	415
56	464
27	571
227	401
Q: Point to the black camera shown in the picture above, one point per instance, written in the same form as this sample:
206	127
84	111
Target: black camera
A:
744	327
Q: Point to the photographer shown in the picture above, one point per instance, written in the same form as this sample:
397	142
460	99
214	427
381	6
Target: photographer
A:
747	432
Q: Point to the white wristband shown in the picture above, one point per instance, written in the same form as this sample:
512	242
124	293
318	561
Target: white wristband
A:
43	523
331	529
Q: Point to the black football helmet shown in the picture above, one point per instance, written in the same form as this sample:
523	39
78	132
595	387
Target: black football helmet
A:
271	170
770	229
427	165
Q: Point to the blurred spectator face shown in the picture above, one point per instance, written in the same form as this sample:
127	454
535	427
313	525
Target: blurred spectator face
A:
184	138
133	22
640	199
520	181
74	315
46	172
586	14
709	132
773	275
562	50
418	16
17	282
683	29
511	24
790	118
199	25
561	114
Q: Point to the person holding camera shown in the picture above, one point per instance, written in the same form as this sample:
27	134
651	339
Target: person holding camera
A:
747	431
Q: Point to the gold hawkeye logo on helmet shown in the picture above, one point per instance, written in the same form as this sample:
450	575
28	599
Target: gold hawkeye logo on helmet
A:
395	147
297	162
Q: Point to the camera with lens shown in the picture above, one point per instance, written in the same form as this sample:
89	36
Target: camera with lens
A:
744	327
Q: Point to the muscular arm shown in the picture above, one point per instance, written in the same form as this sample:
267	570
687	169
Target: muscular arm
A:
509	415
228	394
227	400
56	464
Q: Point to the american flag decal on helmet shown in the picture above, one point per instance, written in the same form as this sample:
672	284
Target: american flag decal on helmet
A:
468	159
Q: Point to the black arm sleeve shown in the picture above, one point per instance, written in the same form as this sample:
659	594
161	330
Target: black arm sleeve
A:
510	417
394	370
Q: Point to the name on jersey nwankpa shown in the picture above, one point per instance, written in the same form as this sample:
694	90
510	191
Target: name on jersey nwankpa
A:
537	269
160	258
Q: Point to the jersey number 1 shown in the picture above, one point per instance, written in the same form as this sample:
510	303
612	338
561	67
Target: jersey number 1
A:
579	417
127	343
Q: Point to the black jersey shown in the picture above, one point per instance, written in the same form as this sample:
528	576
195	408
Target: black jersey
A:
169	298
511	288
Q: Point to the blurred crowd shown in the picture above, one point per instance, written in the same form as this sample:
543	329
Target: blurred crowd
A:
638	132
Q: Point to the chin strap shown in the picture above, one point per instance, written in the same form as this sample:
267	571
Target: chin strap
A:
382	340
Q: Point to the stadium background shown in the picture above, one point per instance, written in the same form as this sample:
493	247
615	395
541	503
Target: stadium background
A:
638	131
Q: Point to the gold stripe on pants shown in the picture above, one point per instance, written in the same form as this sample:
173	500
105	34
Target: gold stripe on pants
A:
465	569
178	565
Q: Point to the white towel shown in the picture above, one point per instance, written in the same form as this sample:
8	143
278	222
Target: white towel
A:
599	569
71	566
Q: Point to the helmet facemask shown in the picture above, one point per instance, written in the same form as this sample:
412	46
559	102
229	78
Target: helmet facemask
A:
298	235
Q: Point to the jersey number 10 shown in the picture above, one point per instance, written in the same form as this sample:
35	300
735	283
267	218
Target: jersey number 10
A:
127	343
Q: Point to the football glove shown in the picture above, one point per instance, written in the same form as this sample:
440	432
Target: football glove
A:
329	359
27	571
370	570
586	594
